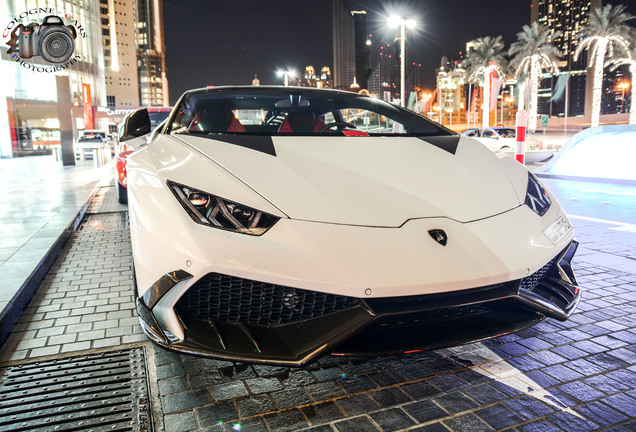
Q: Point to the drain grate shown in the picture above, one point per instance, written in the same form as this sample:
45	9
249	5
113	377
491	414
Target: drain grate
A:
106	222
103	392
105	201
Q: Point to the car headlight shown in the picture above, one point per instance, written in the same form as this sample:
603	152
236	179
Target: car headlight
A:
536	196
217	212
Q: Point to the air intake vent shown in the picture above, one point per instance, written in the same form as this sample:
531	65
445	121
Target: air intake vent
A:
227	299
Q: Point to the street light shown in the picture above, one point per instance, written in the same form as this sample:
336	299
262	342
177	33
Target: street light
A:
286	74
623	86
394	22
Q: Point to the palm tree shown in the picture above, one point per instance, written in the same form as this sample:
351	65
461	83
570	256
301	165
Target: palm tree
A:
601	36
482	58
532	53
630	61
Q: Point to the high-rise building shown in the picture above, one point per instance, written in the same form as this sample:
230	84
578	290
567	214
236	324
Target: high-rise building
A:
390	70
151	59
120	54
566	17
351	47
344	68
362	45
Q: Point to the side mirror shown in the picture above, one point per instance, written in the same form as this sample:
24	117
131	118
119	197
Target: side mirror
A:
136	124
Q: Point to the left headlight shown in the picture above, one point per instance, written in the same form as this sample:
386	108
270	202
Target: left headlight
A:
536	196
207	209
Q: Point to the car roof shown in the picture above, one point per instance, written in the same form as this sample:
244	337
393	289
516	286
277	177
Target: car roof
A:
273	90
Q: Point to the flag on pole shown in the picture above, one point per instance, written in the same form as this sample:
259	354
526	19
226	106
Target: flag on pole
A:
494	92
559	87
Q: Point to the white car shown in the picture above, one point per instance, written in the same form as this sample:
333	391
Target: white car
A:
498	138
504	139
86	145
279	224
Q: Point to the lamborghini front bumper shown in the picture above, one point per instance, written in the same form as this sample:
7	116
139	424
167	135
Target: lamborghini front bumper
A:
246	320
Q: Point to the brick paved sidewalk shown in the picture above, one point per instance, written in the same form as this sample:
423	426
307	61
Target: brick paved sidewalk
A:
574	376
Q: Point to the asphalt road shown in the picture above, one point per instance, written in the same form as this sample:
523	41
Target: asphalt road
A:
609	203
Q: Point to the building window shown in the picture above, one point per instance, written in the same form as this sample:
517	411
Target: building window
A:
110	101
103	10
106	32
106	42
105	21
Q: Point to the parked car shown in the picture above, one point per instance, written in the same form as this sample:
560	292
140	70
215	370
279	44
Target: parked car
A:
156	117
279	224
503	139
86	145
108	138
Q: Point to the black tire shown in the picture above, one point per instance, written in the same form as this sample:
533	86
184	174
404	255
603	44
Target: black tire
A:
122	193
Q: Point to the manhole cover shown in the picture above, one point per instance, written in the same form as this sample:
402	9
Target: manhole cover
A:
105	222
102	392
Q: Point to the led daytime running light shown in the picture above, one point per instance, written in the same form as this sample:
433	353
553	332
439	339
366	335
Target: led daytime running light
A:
217	212
536	196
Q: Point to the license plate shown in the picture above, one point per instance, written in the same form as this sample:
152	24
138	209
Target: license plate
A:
558	229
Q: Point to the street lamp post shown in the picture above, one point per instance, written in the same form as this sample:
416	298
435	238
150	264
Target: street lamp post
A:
396	21
623	86
286	74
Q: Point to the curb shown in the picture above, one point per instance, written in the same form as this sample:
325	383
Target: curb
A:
12	312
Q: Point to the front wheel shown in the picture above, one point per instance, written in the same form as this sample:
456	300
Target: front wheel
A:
122	193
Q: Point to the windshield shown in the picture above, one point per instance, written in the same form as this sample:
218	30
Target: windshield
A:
506	133
294	112
90	138
157	117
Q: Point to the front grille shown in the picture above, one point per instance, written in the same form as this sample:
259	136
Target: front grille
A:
228	299
528	283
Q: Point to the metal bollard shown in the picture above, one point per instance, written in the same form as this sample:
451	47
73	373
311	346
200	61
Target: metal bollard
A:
520	129
97	157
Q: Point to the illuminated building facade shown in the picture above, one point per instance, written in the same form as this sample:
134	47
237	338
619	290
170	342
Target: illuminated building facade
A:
344	68
151	59
120	54
390	71
322	80
362	43
351	47
449	108
40	106
566	17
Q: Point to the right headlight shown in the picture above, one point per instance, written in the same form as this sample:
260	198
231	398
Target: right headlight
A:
217	212
536	196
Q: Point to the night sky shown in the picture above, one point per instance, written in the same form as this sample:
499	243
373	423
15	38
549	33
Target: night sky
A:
220	42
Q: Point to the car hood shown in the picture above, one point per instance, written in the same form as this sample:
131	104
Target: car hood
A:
368	181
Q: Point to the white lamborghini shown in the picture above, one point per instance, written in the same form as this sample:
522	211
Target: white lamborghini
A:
279	224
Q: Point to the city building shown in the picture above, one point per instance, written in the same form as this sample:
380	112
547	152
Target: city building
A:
151	59
118	64
566	17
42	105
344	68
120	53
450	106
351	47
362	45
322	80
